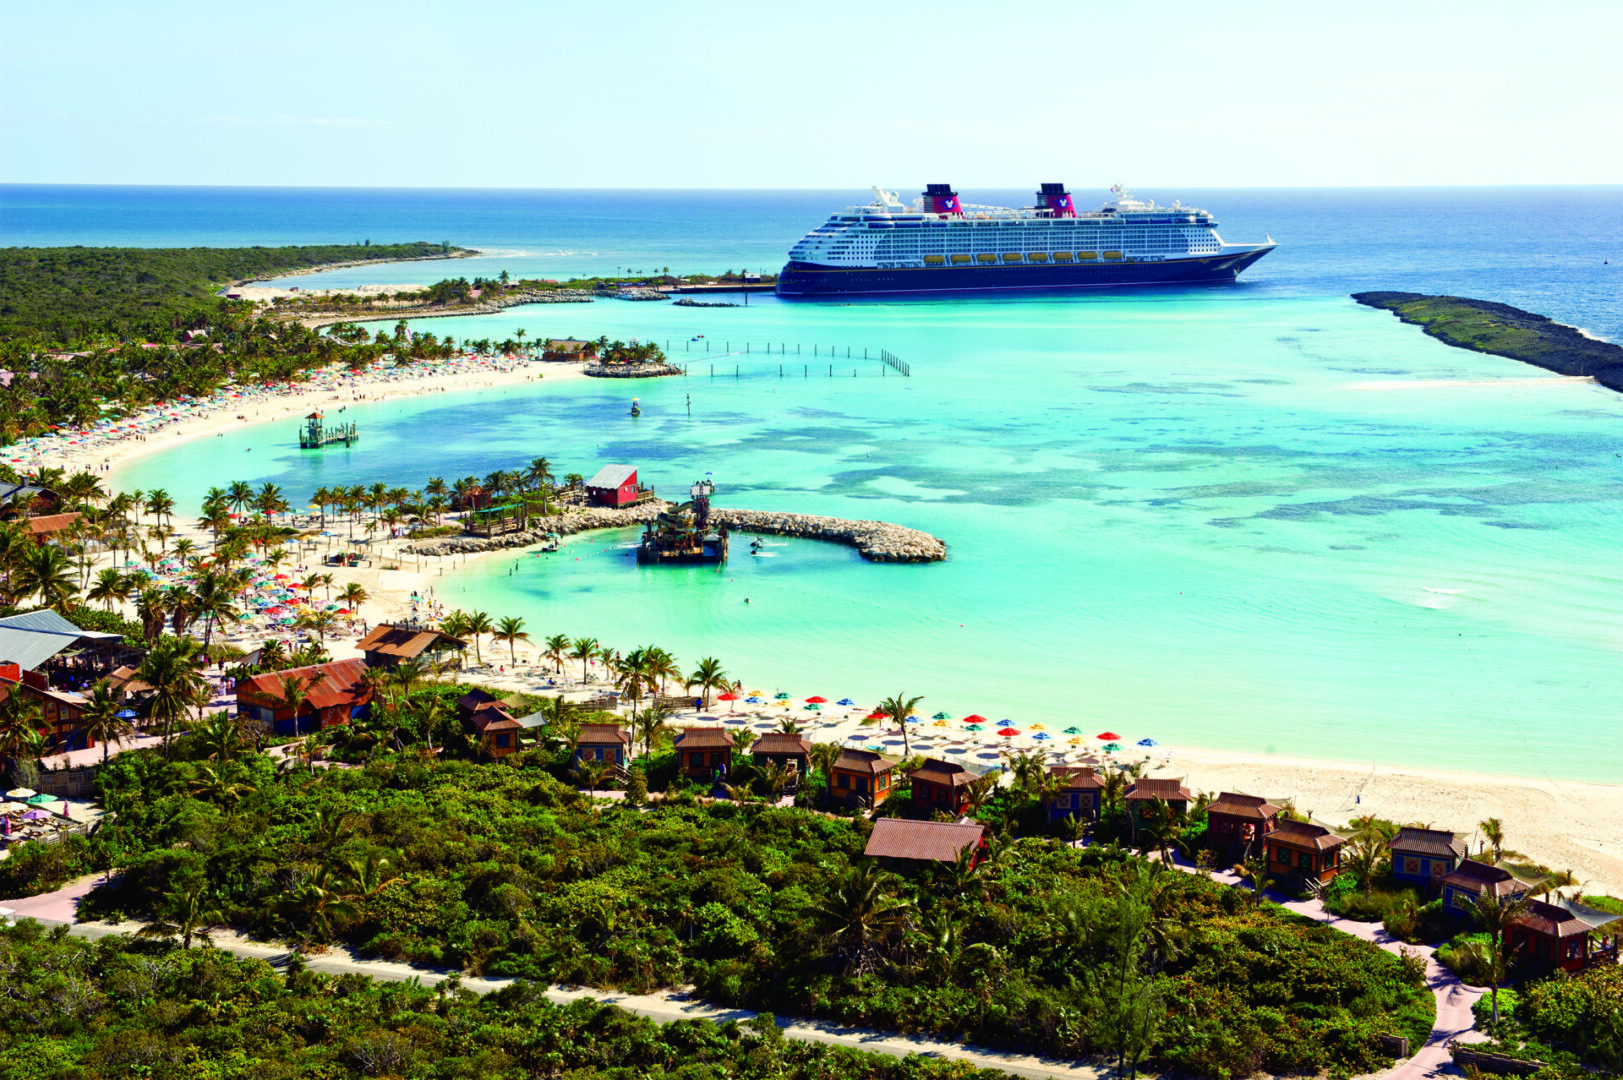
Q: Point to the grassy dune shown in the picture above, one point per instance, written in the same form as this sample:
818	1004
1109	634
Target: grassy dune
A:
1502	330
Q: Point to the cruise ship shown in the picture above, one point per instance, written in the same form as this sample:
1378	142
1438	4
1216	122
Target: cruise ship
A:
943	245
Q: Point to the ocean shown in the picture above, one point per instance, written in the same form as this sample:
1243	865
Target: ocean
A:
1255	518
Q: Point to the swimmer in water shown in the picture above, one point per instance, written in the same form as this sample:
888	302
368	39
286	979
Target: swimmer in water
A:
746	599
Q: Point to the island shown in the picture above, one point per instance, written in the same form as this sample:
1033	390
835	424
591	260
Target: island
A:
1489	327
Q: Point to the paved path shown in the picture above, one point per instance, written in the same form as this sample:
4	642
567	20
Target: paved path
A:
60	907
1454	998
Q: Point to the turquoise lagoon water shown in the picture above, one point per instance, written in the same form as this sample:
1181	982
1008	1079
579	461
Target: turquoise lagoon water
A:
1249	518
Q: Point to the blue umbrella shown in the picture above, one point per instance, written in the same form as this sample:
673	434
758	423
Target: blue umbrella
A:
755	700
1148	742
845	701
127	714
1042	735
857	738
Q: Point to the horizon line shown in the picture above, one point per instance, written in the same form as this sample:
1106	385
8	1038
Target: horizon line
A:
594	187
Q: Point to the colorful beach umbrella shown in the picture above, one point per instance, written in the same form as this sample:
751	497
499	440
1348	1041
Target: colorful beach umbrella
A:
1072	731
1008	732
1042	735
1112	747
813	707
816	700
972	727
782	695
728	696
1109	736
753	700
847	702
1038	727
942	716
857	738
1148	742
40	800
974	718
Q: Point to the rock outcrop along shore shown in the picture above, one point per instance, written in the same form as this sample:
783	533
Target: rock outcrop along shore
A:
876	541
1485	326
597	369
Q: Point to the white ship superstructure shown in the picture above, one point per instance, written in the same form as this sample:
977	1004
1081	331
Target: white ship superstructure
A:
940	243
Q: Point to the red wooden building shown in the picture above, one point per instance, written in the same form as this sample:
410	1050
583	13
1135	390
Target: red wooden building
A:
704	753
334	693
1304	850
1236	824
1557	935
896	840
941	785
614	485
861	777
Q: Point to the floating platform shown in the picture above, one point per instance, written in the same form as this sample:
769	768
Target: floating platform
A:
315	434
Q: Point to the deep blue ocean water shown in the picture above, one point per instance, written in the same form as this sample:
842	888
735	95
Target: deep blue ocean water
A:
1255	518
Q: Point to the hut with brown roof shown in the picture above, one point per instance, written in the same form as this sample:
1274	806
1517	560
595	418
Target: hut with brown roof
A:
941	785
602	742
704	753
45	528
1074	793
1472	880
569	349
1236	824
783	748
334	694
897	840
1143	793
1424	856
1300	849
861	777
1561	934
388	644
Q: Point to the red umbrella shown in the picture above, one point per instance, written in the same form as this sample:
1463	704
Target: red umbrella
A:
1109	736
814	700
974	718
1008	731
877	715
728	696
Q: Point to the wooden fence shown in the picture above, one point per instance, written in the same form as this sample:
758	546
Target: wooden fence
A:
1490	1062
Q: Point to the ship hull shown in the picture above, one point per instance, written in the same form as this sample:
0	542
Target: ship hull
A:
801	280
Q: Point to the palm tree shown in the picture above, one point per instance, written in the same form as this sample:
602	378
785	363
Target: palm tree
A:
184	912
110	586
651	726
20	718
170	668
860	911
46	571
478	623
353	595
584	650
1255	871
823	756
239	495
1493	833
900	708
103	720
221	736
1494	915
212	596
590	772
708	676
1028	768
320	904
557	645
510	628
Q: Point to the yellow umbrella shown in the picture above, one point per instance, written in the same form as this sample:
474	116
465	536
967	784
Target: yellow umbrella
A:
1037	727
940	723
1073	742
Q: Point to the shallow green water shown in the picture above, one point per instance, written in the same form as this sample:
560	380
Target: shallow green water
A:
1219	519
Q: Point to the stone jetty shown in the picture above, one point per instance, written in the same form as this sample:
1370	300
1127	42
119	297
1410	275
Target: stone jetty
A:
599	369
876	541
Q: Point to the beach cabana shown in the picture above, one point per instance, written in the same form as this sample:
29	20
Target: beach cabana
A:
1304	851
861	777
388	644
1424	857
782	748
1074	793
704	753
1236	824
1561	933
1472	880
1143	793
897	841
499	736
941	785
602	742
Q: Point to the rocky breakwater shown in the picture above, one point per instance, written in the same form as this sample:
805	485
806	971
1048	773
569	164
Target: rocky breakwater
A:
877	541
599	369
570	522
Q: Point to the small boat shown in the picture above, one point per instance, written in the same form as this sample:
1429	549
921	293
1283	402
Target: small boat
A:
636	409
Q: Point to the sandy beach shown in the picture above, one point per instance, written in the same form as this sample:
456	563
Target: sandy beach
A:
1565	825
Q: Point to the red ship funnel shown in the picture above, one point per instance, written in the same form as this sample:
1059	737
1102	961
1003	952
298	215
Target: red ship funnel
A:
941	199
1056	201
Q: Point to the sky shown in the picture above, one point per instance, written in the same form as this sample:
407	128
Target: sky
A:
810	95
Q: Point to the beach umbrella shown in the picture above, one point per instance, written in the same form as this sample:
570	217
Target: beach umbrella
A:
1038	727
940	723
1008	732
127	714
813	707
942	716
1073	742
1112	747
728	696
36	815
21	793
1109	736
1042	735
815	700
39	800
755	700
847	702
974	718
857	738
1073	731
972	727
782	695
1148	742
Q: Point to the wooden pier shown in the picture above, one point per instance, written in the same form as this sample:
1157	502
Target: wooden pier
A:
316	434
